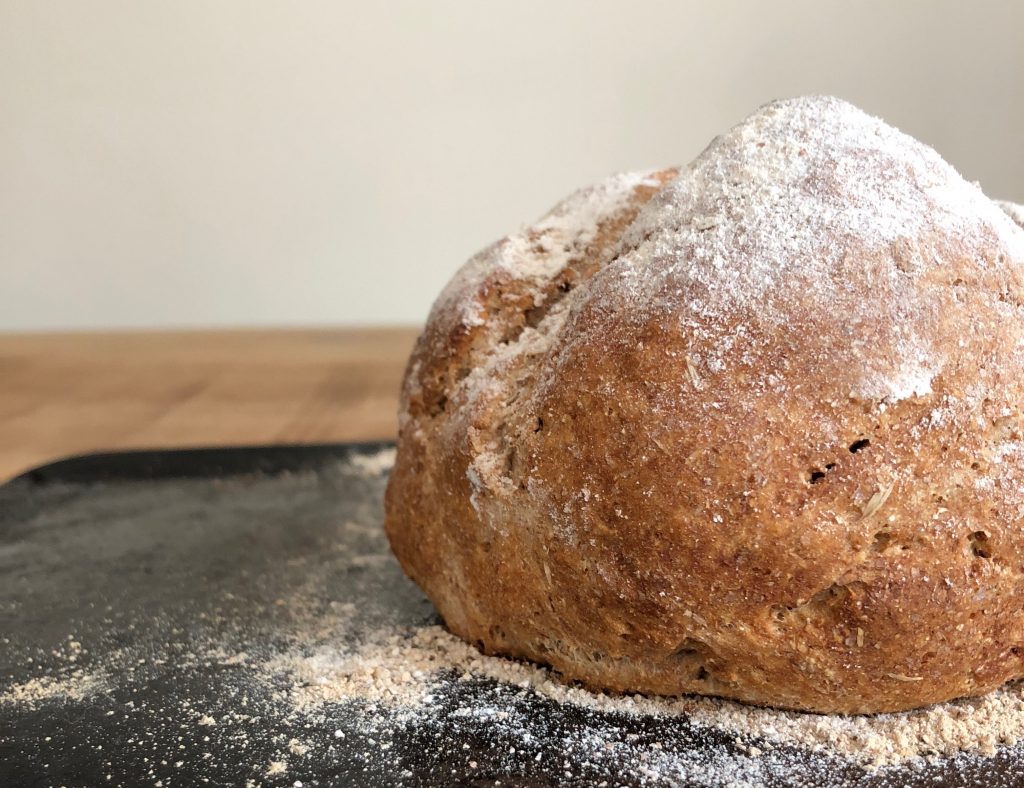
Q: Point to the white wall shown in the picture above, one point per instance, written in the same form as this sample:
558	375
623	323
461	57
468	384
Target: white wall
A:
252	162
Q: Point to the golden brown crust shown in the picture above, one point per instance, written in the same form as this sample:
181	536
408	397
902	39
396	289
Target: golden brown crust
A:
749	431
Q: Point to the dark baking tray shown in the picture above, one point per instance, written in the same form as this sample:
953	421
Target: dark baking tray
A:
145	558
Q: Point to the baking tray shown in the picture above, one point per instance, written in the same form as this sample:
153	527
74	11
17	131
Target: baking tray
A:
167	574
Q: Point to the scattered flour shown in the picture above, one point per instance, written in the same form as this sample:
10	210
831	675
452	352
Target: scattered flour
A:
74	686
404	670
375	464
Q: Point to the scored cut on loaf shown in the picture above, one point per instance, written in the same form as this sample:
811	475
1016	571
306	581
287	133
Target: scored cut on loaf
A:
749	428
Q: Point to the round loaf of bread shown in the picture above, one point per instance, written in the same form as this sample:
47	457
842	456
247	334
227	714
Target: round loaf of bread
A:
751	428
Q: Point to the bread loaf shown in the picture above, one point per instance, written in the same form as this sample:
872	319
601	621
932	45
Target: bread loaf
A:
751	428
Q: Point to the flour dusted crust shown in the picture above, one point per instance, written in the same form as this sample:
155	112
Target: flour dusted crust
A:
1014	211
751	428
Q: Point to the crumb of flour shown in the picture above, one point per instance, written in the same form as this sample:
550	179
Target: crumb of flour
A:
276	767
375	464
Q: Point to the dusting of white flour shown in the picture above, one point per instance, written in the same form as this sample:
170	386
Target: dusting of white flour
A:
1014	211
404	670
375	464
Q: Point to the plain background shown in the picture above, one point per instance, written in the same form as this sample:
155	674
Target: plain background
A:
280	163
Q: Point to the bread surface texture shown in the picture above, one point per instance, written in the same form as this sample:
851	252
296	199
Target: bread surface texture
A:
1014	211
747	428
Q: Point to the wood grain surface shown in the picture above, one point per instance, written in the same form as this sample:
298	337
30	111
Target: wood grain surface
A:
63	394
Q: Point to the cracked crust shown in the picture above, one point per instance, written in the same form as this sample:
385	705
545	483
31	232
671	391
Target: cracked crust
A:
748	429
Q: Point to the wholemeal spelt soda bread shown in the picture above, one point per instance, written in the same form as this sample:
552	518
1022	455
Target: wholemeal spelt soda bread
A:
749	428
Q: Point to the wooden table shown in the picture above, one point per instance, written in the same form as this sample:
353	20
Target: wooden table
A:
64	394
